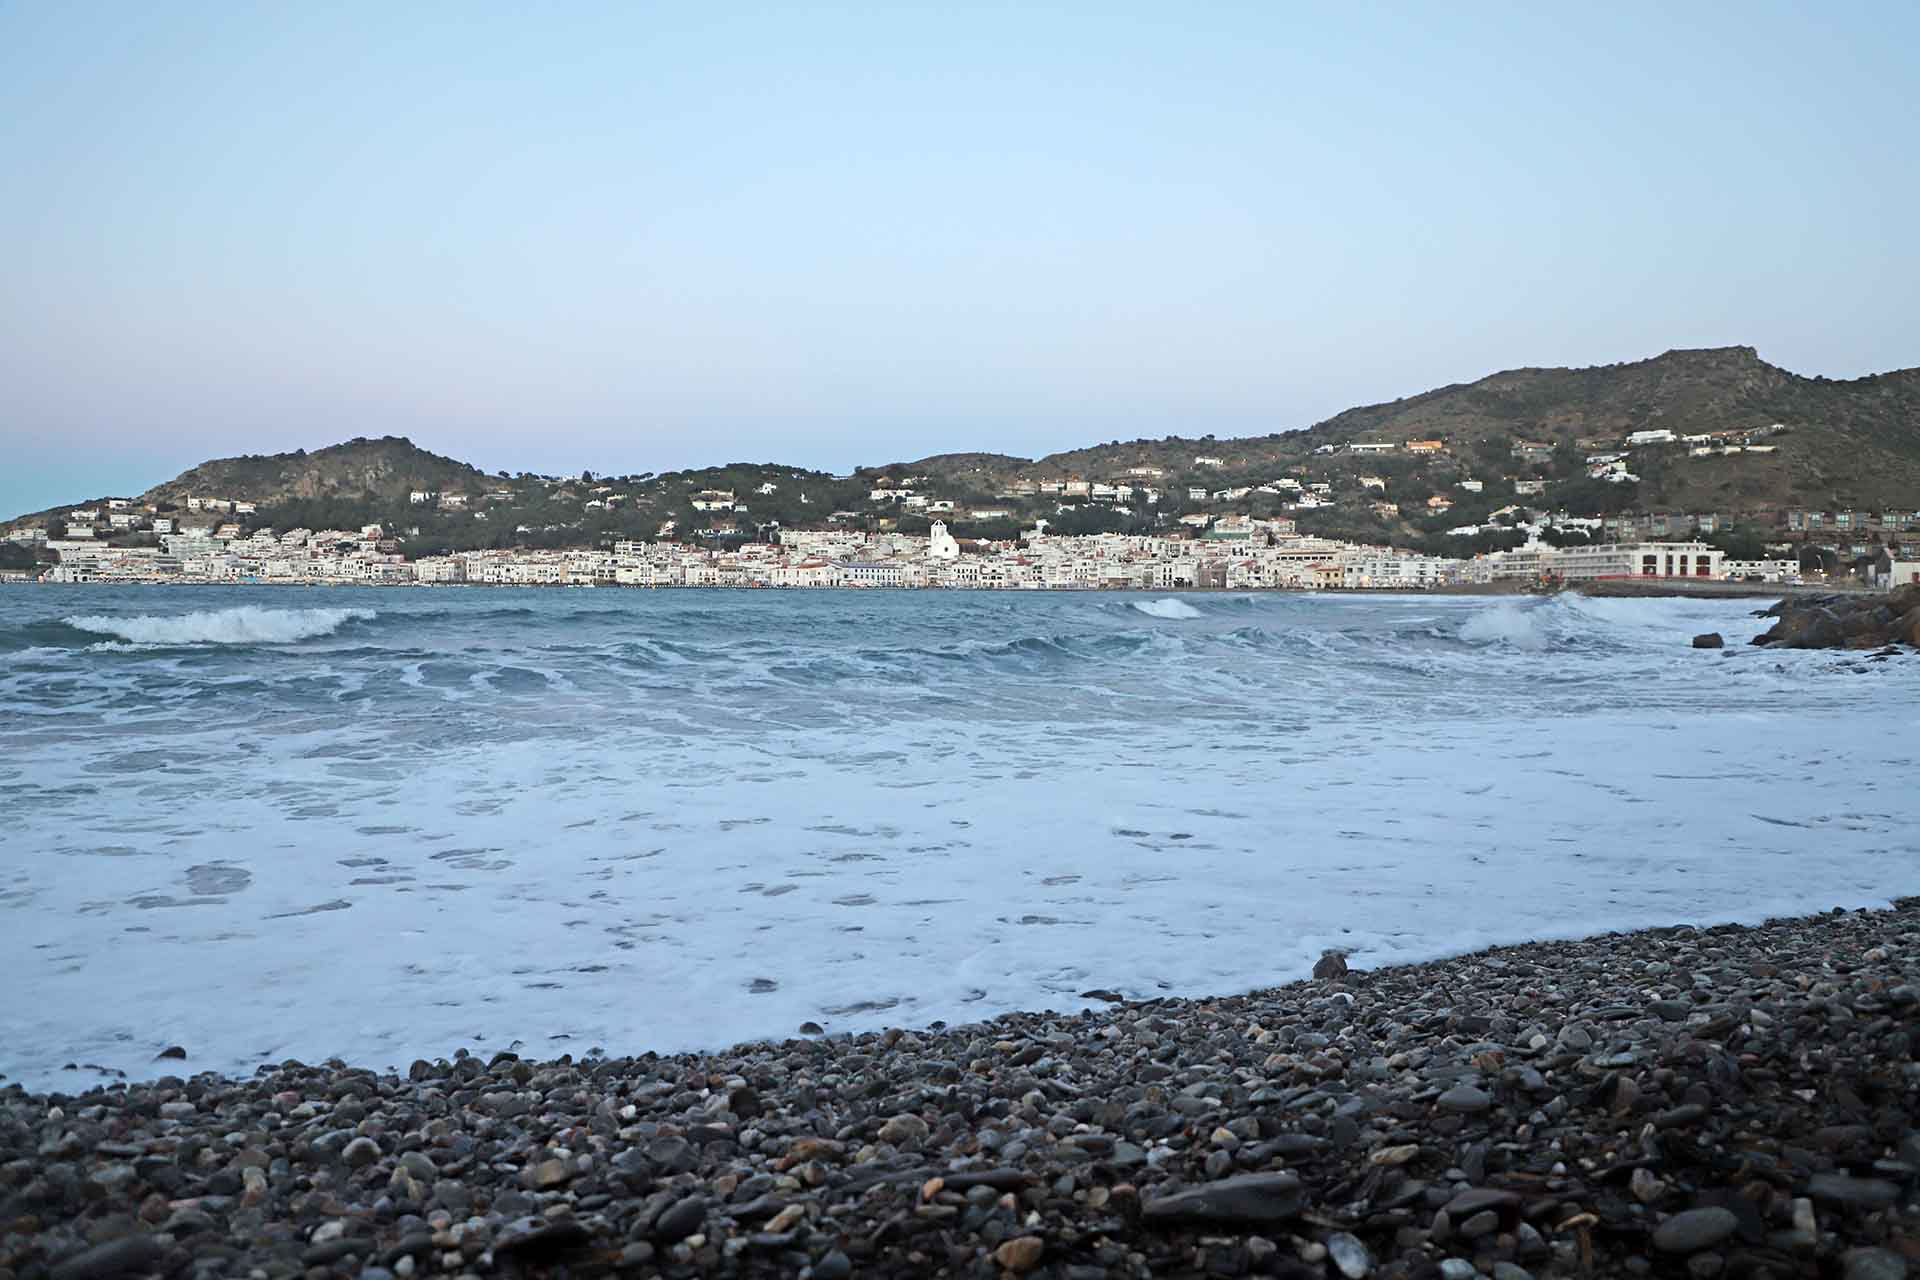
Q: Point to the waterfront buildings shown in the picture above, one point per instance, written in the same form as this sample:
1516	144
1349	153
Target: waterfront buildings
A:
1235	554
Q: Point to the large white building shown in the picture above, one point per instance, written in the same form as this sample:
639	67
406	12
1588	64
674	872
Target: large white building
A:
1609	560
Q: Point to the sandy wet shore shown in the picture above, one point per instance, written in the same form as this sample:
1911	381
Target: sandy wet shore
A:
1727	1101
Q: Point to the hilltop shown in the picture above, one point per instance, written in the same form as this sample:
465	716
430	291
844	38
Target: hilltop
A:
385	468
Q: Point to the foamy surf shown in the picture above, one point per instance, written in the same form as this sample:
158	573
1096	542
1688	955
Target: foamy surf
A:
1168	608
1509	624
679	820
246	624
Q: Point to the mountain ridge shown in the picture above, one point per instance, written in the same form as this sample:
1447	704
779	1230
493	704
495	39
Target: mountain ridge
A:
1852	442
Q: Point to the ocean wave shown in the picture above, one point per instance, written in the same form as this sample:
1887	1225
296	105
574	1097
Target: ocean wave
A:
34	653
1515	626
246	624
1168	608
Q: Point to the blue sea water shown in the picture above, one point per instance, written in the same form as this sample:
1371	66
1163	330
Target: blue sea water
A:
280	822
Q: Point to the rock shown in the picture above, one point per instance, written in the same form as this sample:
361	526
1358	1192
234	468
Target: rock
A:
116	1257
1331	964
1709	640
360	1153
542	1241
1694	1230
1484	1223
1834	622
1464	1098
1349	1255
320	1255
1680	1117
1873	1264
1020	1255
1392	1156
904	1130
1252	1198
835	1266
680	1220
1475	1199
549	1174
1854	1193
172	1052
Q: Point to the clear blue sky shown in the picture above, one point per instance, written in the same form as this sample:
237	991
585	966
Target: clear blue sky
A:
633	237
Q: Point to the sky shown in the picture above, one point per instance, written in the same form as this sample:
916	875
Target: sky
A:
633	237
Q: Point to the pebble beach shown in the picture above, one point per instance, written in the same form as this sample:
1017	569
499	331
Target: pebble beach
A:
1737	1101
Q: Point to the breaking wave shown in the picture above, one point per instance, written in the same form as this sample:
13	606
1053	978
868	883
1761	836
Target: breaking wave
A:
1168	608
247	624
1513	625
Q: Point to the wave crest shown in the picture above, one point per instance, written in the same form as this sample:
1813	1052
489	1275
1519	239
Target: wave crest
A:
1168	608
246	624
1506	624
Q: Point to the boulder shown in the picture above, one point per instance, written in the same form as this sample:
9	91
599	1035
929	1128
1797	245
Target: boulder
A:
1906	628
1844	622
1331	964
1709	640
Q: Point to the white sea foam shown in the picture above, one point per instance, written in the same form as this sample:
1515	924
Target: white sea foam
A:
1168	608
677	820
1505	623
246	624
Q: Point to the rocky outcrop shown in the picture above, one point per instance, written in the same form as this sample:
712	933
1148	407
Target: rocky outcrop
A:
1846	622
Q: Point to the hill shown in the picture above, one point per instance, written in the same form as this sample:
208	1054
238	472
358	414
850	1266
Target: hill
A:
1849	443
386	469
1828	445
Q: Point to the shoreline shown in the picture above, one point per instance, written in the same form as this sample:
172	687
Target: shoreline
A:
1679	1100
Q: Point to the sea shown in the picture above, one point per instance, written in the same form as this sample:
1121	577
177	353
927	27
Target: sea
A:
262	823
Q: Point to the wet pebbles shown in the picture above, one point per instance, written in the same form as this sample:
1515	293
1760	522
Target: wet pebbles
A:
1735	1102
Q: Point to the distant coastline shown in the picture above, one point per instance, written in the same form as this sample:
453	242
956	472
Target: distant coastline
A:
1625	589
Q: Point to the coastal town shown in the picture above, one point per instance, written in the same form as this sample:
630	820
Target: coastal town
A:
1210	521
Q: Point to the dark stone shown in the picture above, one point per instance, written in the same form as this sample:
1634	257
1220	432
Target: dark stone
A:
680	1220
1709	640
542	1241
1694	1230
998	1179
319	1255
1332	964
1475	1199
1464	1098
116	1257
1874	1264
1252	1198
1854	1193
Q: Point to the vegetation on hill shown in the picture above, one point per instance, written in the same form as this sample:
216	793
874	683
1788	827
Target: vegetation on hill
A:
1845	445
372	470
1852	443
